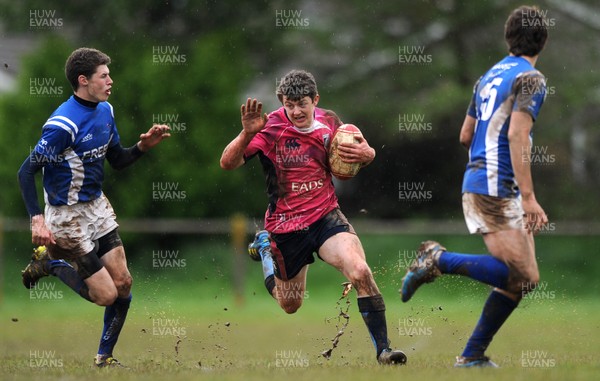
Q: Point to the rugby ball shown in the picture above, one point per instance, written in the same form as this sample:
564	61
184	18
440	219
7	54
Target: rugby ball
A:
346	133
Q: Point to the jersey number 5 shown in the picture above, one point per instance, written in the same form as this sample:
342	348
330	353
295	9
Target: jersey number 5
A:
488	96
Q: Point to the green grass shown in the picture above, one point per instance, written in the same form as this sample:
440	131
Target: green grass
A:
227	337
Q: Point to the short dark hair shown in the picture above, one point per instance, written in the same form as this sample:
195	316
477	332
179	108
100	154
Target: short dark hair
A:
84	61
525	31
296	85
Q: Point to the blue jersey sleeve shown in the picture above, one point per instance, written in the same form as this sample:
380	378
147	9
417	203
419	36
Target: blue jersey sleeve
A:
52	144
530	93
119	157
472	110
26	176
48	151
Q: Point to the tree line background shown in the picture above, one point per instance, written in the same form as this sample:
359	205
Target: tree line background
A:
194	62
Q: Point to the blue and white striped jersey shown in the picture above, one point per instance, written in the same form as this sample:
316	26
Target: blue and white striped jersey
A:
513	84
73	145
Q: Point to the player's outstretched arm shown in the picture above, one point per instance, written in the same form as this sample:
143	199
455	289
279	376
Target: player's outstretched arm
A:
156	134
360	152
520	151
253	121
120	158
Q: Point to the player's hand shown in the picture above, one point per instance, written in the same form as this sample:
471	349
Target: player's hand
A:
40	234
156	134
534	215
360	152
253	120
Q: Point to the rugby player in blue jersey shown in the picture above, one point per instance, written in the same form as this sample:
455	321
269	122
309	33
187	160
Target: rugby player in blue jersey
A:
498	198
77	232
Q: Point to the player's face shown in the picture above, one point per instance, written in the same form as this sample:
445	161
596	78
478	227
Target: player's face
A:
99	85
301	112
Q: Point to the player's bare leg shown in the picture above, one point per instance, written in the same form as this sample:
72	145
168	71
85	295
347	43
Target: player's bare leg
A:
516	248
102	290
290	293
115	264
511	269
345	252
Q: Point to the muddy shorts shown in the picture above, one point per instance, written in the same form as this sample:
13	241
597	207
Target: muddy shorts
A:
76	227
488	214
292	251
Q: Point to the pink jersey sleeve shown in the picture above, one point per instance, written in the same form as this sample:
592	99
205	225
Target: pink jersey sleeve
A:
264	140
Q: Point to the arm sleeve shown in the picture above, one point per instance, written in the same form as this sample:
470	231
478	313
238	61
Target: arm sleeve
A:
119	157
472	110
263	141
530	90
49	150
26	176
256	145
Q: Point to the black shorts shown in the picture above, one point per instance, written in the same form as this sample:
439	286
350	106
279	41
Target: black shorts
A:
292	251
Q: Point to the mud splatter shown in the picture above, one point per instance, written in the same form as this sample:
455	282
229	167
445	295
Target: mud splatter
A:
343	314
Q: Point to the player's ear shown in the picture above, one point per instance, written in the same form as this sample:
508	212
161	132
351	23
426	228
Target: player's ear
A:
82	79
316	100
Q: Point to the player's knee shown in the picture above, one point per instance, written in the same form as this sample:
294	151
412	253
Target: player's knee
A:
105	298
530	282
123	285
524	283
291	307
360	272
290	303
360	276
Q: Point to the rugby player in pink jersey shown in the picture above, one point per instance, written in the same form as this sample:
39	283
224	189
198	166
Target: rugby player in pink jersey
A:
303	215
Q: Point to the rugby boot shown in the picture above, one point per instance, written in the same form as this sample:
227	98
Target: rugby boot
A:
391	357
107	361
474	362
259	245
36	269
424	269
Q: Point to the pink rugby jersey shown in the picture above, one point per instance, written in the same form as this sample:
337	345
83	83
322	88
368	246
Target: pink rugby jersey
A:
294	160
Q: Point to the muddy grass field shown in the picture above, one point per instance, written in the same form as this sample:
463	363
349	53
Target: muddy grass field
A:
189	325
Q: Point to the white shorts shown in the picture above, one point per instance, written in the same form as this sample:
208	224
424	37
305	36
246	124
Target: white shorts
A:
488	214
76	227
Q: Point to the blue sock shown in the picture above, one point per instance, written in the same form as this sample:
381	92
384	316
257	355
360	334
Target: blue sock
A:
69	276
114	318
496	310
267	261
267	268
372	309
484	268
